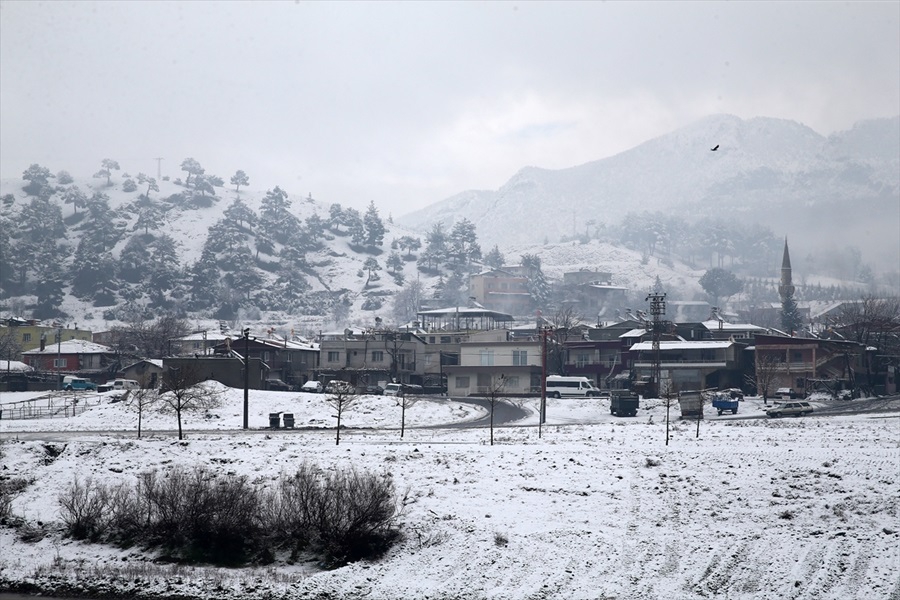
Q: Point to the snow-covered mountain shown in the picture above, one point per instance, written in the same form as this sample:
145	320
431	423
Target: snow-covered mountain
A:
775	172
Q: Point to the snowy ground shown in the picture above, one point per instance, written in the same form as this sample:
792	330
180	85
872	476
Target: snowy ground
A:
597	507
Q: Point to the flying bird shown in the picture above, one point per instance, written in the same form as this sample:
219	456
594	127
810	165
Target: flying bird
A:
714	148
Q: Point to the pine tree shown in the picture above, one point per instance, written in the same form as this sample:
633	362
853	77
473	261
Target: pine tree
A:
791	320
373	226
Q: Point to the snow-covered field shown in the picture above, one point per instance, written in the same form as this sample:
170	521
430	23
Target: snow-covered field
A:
597	507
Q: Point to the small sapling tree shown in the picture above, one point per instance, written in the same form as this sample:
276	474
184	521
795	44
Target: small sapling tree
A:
496	388
405	401
340	397
184	390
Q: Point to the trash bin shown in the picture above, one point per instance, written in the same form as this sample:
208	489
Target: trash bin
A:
274	420
288	420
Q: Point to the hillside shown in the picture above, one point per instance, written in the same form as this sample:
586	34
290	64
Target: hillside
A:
337	292
777	173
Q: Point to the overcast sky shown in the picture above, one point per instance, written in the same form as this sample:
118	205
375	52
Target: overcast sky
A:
408	103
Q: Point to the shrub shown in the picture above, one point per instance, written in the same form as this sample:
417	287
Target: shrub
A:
84	506
196	515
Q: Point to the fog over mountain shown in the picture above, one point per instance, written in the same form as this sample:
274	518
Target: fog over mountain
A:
816	190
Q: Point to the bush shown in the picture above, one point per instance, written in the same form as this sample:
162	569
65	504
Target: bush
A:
84	506
199	516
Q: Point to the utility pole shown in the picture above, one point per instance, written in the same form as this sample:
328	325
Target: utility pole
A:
657	327
542	410
58	358
246	333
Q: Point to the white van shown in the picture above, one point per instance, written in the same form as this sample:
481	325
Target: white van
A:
578	387
121	385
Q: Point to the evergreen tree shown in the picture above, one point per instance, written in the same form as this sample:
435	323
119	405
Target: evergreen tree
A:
435	252
193	168
494	258
463	245
239	212
133	259
291	285
394	263
355	226
38	178
204	281
537	284
150	216
791	320
374	226
238	179
410	244
74	196
51	285
276	223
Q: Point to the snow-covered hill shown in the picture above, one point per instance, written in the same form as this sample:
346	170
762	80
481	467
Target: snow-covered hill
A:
778	173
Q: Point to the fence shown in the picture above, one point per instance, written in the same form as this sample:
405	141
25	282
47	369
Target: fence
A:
57	405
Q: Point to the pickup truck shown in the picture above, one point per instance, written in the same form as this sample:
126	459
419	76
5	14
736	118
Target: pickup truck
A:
723	401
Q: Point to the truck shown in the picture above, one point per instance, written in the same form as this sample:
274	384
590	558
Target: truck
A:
623	403
723	401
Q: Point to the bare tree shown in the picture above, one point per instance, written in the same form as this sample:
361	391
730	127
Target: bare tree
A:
340	398
494	391
873	322
767	367
405	401
565	323
183	390
142	399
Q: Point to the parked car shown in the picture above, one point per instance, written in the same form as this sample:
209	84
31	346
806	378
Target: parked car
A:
336	386
375	390
314	387
786	393
735	393
784	409
277	385
78	383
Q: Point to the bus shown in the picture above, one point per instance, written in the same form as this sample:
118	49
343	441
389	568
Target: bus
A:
579	387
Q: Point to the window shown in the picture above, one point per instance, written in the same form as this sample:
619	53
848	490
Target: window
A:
512	382
520	358
796	356
265	356
26	337
461	383
431	339
334	356
485	380
445	339
377	356
582	359
59	363
487	358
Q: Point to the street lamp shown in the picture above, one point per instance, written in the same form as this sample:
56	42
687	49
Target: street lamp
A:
246	334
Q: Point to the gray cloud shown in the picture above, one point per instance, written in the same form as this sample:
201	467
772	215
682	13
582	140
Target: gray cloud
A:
406	103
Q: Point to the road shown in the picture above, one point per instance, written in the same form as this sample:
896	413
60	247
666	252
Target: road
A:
506	412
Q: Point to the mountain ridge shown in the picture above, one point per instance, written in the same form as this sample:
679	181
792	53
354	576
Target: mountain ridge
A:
763	164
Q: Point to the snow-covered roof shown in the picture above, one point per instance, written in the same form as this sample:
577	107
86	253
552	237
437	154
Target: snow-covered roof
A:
71	347
634	333
210	336
13	365
699	345
713	324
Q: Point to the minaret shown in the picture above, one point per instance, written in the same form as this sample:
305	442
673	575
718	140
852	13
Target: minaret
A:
786	289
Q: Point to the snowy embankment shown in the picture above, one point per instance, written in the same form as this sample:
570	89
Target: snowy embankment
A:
802	508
